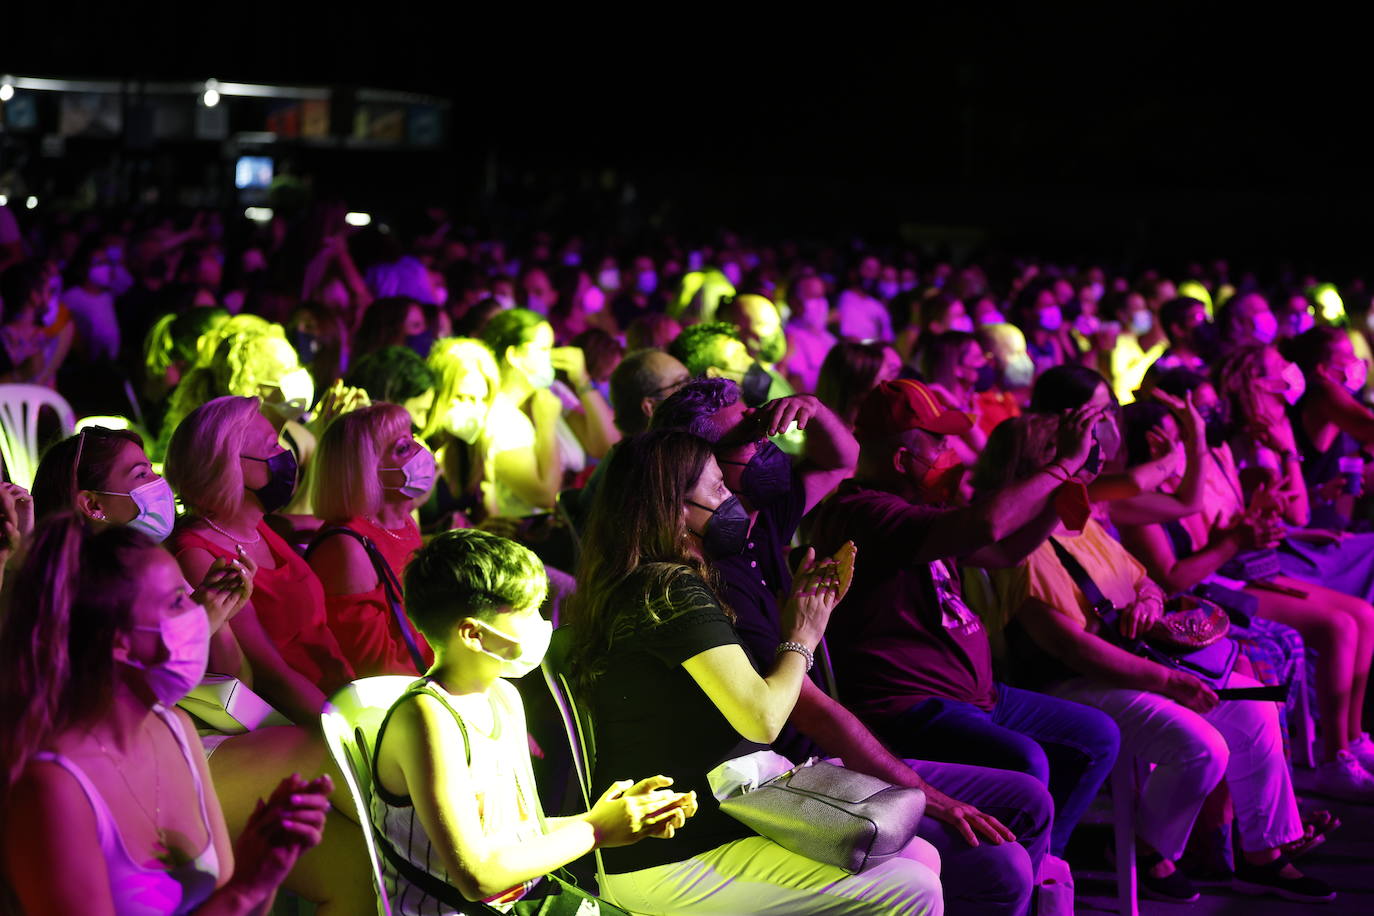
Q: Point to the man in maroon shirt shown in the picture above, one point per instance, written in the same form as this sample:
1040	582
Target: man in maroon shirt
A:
912	660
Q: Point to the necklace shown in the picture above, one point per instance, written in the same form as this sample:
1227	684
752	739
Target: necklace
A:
231	536
155	817
387	531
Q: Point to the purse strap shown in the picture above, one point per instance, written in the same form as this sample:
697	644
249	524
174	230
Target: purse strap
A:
1100	603
390	585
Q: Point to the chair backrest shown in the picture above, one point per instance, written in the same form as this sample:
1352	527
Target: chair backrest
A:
578	725
350	720
19	409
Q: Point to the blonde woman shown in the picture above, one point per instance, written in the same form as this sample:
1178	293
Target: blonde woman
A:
368	476
226	464
467	381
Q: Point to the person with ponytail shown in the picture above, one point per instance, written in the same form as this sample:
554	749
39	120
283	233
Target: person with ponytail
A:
228	467
105	476
368	476
107	806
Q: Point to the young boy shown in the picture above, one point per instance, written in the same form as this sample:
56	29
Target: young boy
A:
454	795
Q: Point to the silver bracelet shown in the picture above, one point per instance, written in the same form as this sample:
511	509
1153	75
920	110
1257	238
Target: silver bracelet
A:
800	650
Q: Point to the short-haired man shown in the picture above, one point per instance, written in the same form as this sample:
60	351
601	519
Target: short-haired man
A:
911	657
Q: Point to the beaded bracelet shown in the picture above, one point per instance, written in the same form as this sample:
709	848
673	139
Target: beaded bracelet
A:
800	650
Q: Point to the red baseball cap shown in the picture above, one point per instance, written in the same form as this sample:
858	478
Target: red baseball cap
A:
897	406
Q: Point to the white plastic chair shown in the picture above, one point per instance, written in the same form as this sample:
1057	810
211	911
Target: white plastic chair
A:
1123	788
350	720
19	409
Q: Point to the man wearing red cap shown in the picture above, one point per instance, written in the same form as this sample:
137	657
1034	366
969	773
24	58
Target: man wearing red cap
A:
910	657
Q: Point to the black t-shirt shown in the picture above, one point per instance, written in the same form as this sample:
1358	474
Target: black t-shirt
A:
651	717
752	583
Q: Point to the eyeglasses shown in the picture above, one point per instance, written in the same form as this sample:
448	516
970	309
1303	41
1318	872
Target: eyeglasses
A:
669	389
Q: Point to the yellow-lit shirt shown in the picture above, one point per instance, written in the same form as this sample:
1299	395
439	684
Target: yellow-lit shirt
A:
1042	576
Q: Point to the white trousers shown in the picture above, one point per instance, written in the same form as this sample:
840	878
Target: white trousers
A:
1238	740
757	876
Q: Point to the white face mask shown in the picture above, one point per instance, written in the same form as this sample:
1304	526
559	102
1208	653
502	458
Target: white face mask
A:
1087	325
541	375
1266	327
157	508
1295	383
524	650
418	472
609	279
186	637
1051	319
1355	375
593	300
465	420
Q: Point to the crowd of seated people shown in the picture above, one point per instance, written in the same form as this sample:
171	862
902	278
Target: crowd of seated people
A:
988	493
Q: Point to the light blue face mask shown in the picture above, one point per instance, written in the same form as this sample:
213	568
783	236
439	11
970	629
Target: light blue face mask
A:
157	508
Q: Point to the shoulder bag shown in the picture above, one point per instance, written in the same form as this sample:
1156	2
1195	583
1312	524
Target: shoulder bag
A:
831	814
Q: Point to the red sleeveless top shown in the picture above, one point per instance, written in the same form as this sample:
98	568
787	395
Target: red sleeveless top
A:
363	623
289	601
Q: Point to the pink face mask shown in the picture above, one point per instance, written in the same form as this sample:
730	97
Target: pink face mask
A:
1356	374
1295	385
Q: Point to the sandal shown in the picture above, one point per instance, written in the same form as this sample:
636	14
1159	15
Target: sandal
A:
1315	828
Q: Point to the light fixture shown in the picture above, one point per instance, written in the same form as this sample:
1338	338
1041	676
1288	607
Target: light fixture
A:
259	214
3	200
31	202
6	91
211	97
358	219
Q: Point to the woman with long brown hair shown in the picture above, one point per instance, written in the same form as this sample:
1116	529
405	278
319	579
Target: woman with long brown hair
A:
669	685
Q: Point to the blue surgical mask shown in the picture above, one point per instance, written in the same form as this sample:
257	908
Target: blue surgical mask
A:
157	508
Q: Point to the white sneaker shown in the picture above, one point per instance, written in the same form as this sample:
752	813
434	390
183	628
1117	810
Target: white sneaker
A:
1344	779
1363	749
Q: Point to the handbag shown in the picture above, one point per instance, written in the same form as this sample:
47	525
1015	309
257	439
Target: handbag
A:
1252	565
1179	647
227	705
831	814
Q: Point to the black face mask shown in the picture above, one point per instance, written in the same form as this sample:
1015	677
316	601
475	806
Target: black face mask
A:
767	477
307	345
988	377
754	387
1205	339
727	529
420	343
281	482
1217	428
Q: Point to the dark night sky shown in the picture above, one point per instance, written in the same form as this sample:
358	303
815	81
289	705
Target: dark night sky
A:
1066	113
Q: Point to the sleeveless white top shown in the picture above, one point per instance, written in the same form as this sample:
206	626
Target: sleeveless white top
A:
499	767
136	889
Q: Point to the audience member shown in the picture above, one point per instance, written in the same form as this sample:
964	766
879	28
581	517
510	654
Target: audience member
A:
1168	717
225	463
672	690
368	476
453	796
107	800
911	654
